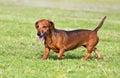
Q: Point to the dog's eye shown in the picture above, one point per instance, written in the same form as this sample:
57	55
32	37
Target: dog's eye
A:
37	26
44	26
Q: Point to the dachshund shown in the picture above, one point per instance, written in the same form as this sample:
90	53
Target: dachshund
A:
61	40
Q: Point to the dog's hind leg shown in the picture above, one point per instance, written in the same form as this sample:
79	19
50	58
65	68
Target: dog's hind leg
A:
89	51
97	53
90	46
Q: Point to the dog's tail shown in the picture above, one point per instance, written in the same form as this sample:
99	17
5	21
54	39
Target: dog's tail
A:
100	25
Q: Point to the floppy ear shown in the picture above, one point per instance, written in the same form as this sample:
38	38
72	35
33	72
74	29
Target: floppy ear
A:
51	25
36	24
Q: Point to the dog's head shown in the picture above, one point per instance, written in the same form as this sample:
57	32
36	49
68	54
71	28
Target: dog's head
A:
44	27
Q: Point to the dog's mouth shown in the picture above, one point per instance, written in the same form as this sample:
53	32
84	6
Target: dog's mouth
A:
41	37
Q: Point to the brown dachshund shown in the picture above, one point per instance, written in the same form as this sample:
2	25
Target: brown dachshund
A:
60	40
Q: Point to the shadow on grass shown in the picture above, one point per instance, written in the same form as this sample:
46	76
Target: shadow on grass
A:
69	56
74	57
54	57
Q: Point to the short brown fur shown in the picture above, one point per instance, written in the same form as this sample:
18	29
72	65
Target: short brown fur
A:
60	40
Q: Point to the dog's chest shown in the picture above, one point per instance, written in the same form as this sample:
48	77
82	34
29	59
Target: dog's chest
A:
53	46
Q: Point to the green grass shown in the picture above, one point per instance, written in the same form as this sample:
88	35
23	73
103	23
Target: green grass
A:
20	50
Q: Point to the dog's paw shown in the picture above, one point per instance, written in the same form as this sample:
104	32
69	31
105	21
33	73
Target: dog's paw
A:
43	59
61	57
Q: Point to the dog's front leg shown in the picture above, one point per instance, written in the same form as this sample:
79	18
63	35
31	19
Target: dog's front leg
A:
46	53
60	54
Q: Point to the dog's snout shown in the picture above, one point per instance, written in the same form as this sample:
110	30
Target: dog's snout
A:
38	34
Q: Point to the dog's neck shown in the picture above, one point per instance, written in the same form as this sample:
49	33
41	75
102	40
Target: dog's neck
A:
49	37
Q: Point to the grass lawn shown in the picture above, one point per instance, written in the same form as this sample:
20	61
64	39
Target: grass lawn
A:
20	50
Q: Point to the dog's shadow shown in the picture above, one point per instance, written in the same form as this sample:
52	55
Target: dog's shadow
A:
54	57
69	56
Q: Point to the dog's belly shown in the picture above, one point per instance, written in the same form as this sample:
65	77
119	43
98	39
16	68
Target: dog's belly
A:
71	47
67	47
54	48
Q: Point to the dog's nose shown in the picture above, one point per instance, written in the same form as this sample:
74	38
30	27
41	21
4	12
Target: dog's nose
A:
38	34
